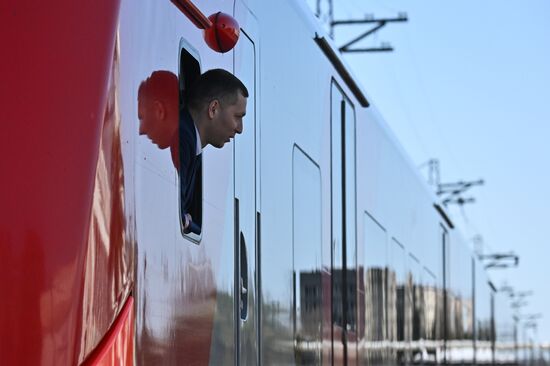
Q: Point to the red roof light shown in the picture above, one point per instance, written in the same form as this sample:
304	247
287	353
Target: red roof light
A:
221	31
224	33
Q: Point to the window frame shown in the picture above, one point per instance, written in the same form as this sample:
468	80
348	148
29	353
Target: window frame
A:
187	54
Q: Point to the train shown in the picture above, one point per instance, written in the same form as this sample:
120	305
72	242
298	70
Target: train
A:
320	243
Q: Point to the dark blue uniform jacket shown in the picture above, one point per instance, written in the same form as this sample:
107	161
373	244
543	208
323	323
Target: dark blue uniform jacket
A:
190	168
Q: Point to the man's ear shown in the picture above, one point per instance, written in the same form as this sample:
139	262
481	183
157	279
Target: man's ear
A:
213	108
160	110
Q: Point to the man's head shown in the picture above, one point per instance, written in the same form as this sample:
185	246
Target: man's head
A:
217	102
158	107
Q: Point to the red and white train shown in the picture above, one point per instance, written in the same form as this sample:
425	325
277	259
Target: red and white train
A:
320	244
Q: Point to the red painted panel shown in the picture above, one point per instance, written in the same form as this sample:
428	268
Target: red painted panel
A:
117	348
56	65
108	275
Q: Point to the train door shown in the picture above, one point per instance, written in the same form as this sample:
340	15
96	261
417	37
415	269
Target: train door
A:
247	216
344	274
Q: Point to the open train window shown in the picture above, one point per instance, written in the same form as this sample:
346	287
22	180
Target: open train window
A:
190	171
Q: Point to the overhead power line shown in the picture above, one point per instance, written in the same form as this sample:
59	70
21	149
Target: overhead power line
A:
452	191
500	260
378	24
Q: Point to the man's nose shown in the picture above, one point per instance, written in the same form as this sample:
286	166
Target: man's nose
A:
239	128
141	130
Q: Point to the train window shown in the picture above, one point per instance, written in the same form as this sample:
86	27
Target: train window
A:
431	295
371	344
416	299
308	275
190	162
398	304
482	302
445	310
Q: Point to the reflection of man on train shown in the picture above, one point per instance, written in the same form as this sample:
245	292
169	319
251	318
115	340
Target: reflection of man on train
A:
212	114
158	111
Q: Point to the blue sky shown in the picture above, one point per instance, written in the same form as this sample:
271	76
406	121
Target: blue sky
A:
469	84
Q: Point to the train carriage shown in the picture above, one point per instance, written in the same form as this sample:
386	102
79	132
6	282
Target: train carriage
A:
319	243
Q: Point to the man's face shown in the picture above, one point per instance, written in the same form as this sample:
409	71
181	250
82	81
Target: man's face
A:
228	121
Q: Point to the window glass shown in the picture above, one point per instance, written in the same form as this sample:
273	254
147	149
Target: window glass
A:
306	230
417	305
482	303
375	272
400	304
430	305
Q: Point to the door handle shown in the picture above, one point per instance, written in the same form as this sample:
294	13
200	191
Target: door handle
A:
243	277
244	290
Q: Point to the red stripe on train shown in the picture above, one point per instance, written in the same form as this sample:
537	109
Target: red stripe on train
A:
117	347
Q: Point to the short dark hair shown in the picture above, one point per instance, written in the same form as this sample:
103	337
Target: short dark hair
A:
214	84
